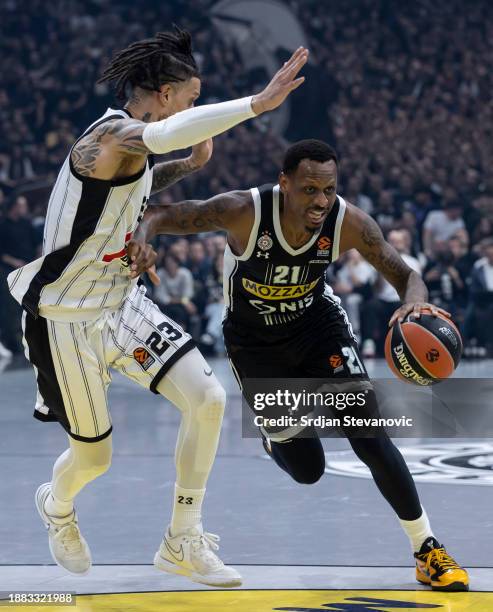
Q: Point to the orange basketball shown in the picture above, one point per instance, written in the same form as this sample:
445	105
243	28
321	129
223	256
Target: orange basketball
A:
423	351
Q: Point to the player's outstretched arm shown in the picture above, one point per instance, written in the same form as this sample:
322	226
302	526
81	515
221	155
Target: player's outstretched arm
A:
360	231
232	211
103	152
195	125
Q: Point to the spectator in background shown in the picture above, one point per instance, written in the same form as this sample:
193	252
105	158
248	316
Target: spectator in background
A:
174	294
200	266
421	205
479	317
445	283
179	248
213	336
18	245
385	212
440	226
386	301
353	284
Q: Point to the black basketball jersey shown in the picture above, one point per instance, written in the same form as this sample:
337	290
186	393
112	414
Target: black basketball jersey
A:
272	284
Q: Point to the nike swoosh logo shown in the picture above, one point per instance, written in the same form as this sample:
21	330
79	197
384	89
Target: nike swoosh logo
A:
174	552
208	373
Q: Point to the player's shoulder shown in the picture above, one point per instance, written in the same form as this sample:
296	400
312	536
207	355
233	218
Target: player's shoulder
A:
353	215
358	226
114	127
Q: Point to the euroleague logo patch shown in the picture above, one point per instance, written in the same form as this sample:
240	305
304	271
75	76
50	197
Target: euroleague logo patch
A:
432	355
335	361
143	357
324	243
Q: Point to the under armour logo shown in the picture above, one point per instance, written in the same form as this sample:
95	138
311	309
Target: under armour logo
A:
264	255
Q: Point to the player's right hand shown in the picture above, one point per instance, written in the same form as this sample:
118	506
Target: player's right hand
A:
143	258
282	83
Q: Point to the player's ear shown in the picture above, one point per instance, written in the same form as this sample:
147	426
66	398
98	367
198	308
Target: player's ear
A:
283	182
164	93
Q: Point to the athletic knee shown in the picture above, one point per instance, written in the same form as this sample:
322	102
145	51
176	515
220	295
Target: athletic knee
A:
212	407
93	458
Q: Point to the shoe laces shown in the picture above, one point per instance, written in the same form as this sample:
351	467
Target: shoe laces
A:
69	537
439	558
203	546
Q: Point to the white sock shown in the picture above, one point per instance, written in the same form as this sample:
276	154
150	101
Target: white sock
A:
58	508
417	531
187	509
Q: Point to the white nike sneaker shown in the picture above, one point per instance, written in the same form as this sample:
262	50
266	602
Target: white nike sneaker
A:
191	554
67	546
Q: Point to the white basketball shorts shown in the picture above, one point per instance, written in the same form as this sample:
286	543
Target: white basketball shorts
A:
72	361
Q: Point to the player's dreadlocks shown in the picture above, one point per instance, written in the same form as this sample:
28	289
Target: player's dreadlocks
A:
149	63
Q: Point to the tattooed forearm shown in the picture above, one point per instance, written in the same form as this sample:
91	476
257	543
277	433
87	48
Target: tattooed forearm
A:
389	263
221	212
383	256
195	216
121	137
167	173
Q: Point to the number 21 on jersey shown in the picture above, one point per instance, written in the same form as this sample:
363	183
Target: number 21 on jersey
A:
286	274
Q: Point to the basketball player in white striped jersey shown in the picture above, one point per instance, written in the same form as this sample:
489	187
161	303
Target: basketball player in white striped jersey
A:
85	313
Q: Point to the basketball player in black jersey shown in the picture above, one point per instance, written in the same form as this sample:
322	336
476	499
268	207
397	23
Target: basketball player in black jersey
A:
282	321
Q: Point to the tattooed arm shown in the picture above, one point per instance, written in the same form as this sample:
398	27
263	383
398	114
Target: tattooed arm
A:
232	212
227	211
359	231
118	148
112	150
167	173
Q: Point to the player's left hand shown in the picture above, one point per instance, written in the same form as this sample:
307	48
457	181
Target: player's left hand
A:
201	153
415	308
143	258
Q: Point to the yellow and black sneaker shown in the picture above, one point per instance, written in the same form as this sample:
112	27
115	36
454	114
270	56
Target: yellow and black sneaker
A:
436	568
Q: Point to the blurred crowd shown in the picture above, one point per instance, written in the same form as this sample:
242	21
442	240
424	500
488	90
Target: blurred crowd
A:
402	90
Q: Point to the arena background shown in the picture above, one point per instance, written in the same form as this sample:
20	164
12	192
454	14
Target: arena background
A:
402	90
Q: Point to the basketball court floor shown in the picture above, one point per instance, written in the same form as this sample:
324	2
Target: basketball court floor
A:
335	545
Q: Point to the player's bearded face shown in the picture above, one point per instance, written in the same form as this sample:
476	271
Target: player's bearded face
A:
311	191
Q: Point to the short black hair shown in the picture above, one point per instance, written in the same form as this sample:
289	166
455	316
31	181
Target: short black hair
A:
149	63
315	150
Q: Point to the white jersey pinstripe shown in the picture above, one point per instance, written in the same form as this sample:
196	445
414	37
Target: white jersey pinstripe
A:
83	269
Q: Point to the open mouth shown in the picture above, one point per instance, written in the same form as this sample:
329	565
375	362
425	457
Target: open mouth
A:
316	216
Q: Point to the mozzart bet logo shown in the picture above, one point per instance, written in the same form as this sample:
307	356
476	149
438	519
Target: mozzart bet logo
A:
272	292
468	464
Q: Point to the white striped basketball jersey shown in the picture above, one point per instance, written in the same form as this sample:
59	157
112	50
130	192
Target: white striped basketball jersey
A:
83	270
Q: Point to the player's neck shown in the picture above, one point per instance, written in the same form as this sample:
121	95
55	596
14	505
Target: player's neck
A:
293	228
144	108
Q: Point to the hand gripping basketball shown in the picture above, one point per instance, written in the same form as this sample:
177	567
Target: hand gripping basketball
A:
423	349
416	308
